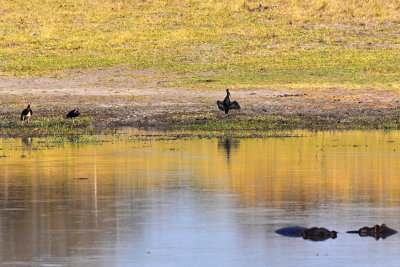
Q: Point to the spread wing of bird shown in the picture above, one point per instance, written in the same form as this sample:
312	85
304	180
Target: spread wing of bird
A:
234	105
220	105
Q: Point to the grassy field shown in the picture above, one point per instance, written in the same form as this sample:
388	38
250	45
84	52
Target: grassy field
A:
209	44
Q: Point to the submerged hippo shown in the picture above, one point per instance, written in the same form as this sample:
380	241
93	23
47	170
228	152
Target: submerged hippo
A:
314	233
318	234
376	231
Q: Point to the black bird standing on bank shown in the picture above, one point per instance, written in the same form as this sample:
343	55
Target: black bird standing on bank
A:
73	114
227	105
26	113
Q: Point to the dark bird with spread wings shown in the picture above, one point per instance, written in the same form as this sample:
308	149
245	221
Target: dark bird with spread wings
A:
227	105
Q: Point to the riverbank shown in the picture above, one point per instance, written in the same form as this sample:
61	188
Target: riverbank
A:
119	97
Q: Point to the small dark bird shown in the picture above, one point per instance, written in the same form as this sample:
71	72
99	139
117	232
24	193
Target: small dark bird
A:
26	113
73	114
226	105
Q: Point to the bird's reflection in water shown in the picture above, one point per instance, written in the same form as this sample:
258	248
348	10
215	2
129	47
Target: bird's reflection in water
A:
26	145
228	144
26	141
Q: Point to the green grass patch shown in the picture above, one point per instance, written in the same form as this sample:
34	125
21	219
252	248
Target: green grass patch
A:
56	126
237	125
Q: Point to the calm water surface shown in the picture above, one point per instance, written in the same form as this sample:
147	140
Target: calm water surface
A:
199	202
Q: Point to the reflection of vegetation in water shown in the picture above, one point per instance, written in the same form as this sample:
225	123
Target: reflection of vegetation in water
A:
32	143
69	183
315	168
83	139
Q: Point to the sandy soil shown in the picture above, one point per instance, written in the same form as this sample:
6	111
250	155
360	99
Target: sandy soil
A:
118	96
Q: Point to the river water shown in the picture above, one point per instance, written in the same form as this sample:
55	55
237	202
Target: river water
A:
199	202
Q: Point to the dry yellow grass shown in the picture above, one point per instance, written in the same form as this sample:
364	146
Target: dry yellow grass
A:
294	43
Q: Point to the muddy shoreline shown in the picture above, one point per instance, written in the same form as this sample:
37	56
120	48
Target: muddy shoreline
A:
137	99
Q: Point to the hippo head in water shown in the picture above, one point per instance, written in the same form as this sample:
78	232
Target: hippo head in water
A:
370	231
313	234
376	231
318	234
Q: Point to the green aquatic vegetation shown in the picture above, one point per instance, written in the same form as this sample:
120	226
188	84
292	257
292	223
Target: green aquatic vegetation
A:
172	135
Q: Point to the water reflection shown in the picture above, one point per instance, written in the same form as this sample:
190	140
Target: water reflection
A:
197	202
226	144
26	141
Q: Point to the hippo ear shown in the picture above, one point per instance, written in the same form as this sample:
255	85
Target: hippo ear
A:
333	234
383	225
